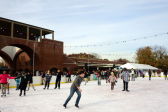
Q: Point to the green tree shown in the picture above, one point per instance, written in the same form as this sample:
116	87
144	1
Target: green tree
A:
161	57
156	56
145	56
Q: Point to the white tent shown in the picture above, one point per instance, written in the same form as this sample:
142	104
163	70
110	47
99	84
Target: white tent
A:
138	66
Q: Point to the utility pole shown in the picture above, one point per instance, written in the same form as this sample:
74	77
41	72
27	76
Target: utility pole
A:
88	63
34	49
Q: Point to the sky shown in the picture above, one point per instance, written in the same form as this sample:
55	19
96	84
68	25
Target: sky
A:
79	23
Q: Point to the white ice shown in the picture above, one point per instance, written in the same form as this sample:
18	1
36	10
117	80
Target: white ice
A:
144	96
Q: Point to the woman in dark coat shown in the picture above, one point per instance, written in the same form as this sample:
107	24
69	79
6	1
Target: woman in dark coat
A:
58	79
30	81
23	84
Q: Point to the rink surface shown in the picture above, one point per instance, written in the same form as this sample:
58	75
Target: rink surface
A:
144	96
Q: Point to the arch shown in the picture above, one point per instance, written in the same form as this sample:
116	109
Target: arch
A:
24	48
7	59
46	56
16	55
27	49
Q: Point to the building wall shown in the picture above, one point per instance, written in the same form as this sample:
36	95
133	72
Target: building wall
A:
48	53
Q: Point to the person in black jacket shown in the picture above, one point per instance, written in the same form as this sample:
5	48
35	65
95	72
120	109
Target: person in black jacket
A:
23	83
150	74
48	77
58	79
165	74
30	81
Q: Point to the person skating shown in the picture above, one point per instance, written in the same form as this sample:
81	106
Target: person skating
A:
75	88
48	77
23	83
150	74
58	79
8	84
86	78
112	80
69	76
30	81
132	75
17	80
43	78
165	74
125	75
98	74
4	82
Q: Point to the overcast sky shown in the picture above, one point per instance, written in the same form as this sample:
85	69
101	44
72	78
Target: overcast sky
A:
83	22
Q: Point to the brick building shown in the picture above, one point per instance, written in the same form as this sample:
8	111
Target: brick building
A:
42	54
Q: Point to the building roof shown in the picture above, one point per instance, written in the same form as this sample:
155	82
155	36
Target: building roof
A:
21	23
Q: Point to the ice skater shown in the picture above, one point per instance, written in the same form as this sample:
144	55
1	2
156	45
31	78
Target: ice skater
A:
86	77
112	79
17	80
150	74
75	88
58	79
42	78
23	83
4	82
165	74
132	74
125	75
98	74
30	81
69	77
48	77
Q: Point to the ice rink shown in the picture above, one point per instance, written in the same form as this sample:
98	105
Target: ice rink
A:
144	96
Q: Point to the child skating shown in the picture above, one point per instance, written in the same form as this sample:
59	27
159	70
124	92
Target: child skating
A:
48	77
112	80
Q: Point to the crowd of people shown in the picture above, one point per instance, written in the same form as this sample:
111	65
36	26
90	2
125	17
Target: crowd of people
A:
24	80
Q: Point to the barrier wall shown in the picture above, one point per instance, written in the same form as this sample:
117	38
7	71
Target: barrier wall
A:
37	80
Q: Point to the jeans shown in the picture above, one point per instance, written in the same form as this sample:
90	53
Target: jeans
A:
47	84
125	85
57	83
72	91
112	85
165	77
149	77
99	81
69	79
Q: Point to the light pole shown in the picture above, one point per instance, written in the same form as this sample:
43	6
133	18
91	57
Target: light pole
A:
88	62
34	49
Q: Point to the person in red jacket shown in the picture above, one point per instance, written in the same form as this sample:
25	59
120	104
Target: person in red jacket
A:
4	81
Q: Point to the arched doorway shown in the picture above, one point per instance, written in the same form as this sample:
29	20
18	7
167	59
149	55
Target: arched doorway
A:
23	61
6	60
22	57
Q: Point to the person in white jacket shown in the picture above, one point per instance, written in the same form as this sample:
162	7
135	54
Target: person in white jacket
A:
125	75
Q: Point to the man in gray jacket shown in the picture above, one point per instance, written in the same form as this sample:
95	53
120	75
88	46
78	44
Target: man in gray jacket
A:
125	75
76	88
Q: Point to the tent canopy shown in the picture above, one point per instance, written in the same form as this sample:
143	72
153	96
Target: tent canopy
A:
138	66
